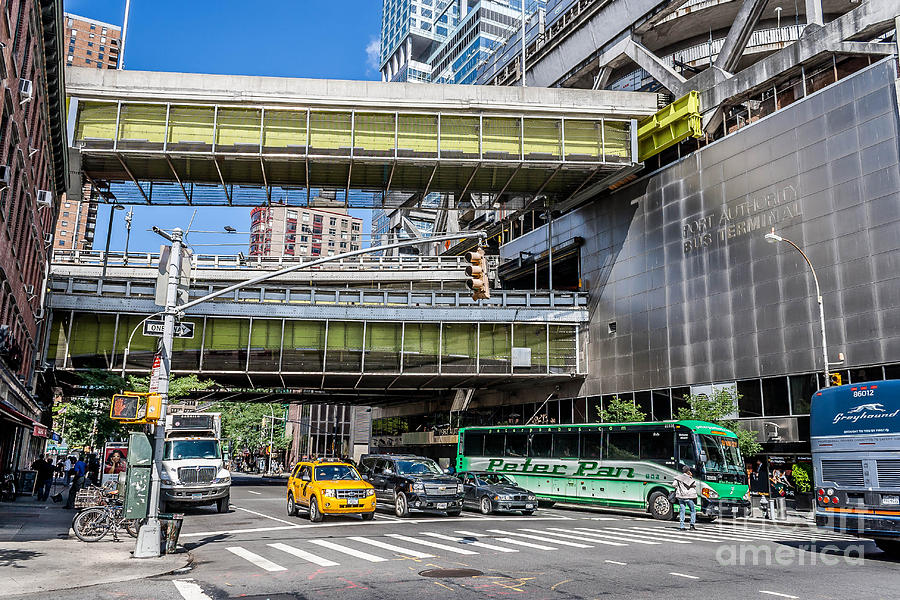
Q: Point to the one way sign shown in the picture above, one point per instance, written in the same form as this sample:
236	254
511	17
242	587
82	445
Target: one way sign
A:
183	329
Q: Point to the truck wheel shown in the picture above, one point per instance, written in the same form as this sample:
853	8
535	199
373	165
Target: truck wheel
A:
291	507
315	515
222	504
660	507
401	506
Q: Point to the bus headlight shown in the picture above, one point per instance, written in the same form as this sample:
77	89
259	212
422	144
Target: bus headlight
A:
709	493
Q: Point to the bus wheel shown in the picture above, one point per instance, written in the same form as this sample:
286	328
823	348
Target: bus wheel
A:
889	547
660	507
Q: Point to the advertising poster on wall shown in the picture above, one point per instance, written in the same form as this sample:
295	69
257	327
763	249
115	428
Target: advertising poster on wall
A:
114	455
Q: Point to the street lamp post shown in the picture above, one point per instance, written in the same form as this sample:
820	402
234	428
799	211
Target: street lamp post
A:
128	217
774	238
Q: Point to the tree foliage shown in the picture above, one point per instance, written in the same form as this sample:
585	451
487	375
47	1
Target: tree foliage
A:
621	411
247	425
720	408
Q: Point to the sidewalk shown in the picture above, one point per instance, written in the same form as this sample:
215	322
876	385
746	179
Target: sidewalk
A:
39	554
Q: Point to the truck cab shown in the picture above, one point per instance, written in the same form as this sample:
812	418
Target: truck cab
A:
193	472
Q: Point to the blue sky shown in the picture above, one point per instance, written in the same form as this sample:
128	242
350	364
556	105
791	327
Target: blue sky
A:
280	38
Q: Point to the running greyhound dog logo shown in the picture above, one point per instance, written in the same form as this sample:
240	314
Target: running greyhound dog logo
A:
875	406
865	413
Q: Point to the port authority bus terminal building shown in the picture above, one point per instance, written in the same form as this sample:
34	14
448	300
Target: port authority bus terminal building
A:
685	293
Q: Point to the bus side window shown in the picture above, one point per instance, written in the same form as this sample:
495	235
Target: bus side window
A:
539	445
516	444
622	445
565	445
473	443
493	444
590	444
658	446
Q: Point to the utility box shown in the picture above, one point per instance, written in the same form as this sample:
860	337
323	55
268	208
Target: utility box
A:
137	486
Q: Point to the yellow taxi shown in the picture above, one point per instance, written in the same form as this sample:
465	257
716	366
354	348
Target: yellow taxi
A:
329	488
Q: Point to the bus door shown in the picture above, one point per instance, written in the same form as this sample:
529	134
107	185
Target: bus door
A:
591	445
687	455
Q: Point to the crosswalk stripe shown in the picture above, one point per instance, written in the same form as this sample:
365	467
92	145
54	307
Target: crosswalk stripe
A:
703	535
540	538
318	560
346	550
430	544
256	559
665	537
451	538
189	590
571	537
506	540
616	536
386	546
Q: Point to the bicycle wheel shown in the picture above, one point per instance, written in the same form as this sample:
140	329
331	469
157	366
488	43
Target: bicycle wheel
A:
91	524
133	526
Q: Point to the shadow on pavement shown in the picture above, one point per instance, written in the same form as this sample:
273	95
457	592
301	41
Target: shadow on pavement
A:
12	558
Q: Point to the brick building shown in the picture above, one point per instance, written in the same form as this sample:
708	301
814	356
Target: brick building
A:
91	43
287	231
33	171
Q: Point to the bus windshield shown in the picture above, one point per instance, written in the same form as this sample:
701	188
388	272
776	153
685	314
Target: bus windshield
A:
723	458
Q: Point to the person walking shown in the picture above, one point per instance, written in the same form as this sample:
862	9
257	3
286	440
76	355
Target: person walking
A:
686	494
43	478
79	470
67	469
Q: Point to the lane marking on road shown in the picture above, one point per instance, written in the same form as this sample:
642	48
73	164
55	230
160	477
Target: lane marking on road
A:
460	540
252	492
506	540
386	546
256	559
540	538
567	536
259	514
189	590
584	531
615	562
779	594
686	576
318	560
412	540
350	551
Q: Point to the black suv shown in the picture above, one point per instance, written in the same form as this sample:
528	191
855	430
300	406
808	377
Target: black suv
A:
411	482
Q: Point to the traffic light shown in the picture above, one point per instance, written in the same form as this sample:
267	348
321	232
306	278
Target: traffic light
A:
477	273
836	379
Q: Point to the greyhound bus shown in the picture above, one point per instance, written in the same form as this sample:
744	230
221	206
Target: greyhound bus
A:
625	465
855	436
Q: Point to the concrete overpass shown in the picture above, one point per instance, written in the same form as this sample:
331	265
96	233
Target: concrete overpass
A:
174	138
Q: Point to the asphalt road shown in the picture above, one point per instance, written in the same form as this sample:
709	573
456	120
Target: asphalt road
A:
257	552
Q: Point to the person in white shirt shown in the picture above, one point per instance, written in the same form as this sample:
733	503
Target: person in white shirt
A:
686	494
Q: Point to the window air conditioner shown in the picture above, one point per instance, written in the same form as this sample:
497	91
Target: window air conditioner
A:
26	90
44	198
5	174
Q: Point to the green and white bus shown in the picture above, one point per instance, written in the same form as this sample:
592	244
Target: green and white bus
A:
626	465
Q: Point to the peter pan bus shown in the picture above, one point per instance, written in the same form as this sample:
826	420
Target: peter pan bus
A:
626	465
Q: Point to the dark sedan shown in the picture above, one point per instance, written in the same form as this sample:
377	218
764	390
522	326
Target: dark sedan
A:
491	492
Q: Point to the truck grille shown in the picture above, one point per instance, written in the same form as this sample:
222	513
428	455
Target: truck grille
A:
196	474
843	472
344	494
888	473
434	489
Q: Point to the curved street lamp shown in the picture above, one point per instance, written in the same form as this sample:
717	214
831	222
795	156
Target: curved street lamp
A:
774	238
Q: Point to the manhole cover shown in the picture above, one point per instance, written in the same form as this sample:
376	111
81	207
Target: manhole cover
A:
450	573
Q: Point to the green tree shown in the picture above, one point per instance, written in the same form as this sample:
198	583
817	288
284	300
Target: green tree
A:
621	411
247	425
719	408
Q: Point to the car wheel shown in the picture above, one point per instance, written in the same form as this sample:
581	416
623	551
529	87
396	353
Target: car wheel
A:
660	507
486	506
368	516
401	506
222	504
291	506
315	515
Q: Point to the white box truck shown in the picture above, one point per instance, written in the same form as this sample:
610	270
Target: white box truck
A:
194	472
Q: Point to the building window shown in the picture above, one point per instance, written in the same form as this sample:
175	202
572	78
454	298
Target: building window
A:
103	31
62	233
87	61
89	53
90	44
332	221
93	27
69	23
64	223
62	243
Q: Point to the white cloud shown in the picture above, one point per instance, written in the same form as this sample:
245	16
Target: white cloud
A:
373	54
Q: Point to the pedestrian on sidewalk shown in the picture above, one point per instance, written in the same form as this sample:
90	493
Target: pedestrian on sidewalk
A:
79	470
686	494
43	479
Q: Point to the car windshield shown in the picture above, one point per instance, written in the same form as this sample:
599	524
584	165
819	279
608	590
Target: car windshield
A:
722	455
336	473
178	449
494	479
418	467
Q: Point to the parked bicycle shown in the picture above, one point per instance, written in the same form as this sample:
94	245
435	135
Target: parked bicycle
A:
101	513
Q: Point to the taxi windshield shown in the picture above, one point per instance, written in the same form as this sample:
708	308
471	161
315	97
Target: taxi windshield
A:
336	473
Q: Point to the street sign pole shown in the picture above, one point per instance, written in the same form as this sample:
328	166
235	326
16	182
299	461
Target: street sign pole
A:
148	543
